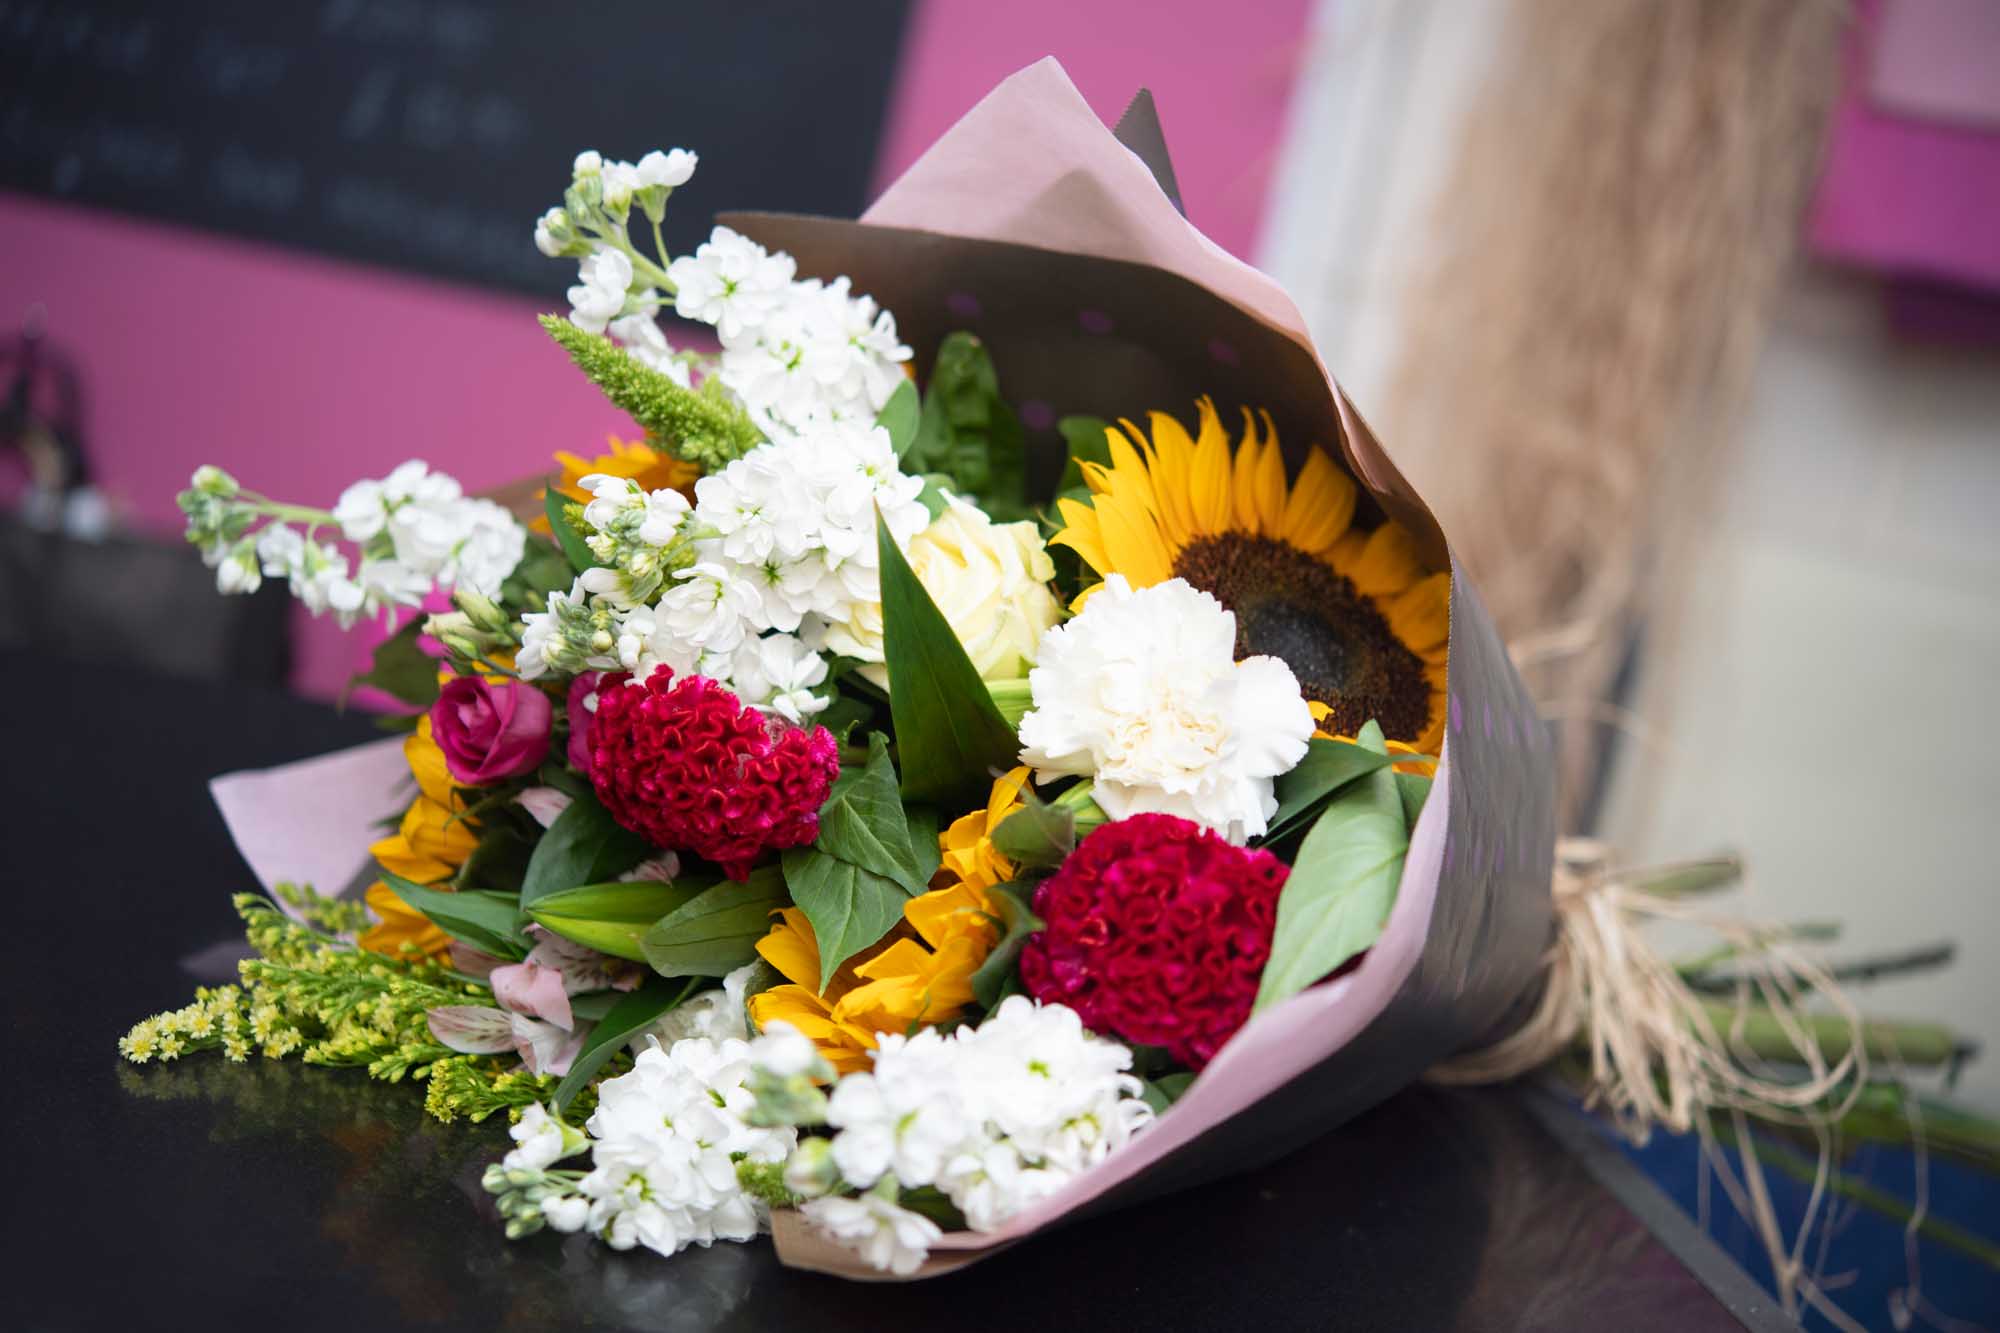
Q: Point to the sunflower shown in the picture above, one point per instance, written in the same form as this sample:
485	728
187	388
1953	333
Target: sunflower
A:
653	470
1353	613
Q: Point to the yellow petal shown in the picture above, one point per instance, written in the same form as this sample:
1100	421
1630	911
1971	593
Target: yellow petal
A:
1082	534
1269	495
1421	617
1320	506
1243	484
1132	540
427	765
1173	465
1388	563
1209	476
791	948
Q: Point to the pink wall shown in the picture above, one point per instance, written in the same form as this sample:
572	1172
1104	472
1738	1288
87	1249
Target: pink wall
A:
300	374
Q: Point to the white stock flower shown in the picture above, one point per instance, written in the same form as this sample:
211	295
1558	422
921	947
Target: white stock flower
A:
707	607
887	1236
776	674
665	1142
541	1140
670	170
645	343
731	282
600	296
1142	692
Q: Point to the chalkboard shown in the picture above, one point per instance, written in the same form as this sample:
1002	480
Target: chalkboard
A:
430	134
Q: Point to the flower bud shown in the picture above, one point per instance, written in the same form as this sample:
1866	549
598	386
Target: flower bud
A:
212	480
809	1171
524	1226
495	1179
481	610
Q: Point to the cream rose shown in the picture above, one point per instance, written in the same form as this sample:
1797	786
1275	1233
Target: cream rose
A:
991	581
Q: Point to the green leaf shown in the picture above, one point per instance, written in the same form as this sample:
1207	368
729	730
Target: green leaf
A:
1414	789
1327	767
899	417
1164	1091
863	822
555	504
1038	834
925	848
633	1014
584	846
488	921
1018	922
949	735
1342	885
544	568
967	433
612	918
717	930
400	669
1087	444
849	907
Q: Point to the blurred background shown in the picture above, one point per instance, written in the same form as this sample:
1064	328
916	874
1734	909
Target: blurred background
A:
1683	314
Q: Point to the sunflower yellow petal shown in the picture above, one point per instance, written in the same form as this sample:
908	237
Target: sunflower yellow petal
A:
1388	563
1320	506
1421	617
1243	482
1081	533
1269	477
1209	475
1173	464
1132	540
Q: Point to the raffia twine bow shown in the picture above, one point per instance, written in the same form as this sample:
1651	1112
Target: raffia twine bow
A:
1657	1053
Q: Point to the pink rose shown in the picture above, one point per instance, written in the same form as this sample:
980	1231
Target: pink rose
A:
580	689
491	729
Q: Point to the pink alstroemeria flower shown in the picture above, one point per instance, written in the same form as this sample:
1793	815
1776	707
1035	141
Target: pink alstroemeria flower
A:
477	1029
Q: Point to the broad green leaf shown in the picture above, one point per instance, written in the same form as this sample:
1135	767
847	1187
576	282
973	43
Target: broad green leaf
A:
633	1014
1164	1091
925	848
1341	887
1327	767
488	921
716	931
849	907
899	417
566	535
400	669
949	736
863	822
1414	789
613	918
1018	922
544	568
584	846
967	434
1087	444
1038	834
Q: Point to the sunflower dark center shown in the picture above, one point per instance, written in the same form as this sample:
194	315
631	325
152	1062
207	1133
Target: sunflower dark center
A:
1295	607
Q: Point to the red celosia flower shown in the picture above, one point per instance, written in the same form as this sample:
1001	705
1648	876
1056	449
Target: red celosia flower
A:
685	764
1157	933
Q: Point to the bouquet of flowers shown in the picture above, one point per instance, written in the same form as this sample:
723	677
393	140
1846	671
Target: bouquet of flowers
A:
1004	742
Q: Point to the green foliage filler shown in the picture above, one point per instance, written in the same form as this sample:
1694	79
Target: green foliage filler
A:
700	427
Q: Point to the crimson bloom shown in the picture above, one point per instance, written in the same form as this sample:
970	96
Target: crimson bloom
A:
1157	933
683	763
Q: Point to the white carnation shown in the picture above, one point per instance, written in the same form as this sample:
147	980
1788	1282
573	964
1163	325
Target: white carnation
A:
1142	693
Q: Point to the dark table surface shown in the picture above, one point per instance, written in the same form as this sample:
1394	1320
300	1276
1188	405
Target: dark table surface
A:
216	1196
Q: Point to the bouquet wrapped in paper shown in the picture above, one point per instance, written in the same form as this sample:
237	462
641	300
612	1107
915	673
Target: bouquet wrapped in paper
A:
1005	743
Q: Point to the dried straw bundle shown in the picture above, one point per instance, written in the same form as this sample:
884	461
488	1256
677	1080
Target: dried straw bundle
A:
1607	246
